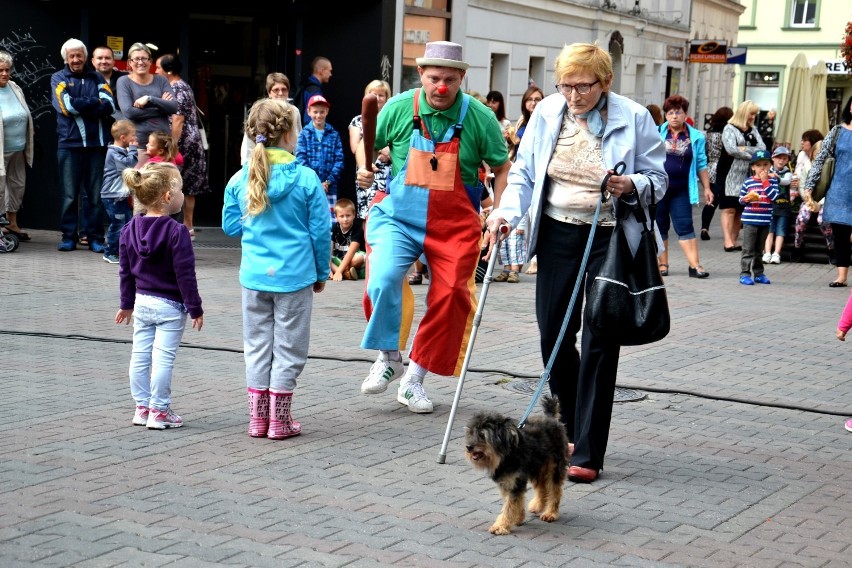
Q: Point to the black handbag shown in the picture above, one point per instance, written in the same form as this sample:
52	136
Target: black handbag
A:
627	300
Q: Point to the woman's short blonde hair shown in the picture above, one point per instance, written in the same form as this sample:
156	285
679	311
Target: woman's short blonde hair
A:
741	115
138	46
581	57
378	84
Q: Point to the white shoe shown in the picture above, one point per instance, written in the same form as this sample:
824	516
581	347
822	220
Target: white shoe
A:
766	257
775	259
381	374
413	395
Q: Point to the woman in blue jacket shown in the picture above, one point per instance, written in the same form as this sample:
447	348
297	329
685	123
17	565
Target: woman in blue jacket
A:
573	138
686	164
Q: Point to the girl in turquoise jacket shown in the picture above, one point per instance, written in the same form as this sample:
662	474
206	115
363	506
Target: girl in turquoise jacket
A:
279	209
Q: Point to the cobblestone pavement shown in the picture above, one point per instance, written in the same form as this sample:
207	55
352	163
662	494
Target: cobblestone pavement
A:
736	456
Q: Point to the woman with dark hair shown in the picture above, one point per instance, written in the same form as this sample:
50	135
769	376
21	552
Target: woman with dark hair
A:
185	132
811	144
837	208
686	164
656	113
494	99
714	149
530	99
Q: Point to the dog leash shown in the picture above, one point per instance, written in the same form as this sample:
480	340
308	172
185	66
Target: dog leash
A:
545	375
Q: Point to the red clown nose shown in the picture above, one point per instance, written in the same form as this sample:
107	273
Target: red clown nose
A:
442	90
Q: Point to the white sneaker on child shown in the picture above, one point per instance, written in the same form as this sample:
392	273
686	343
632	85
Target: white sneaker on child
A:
775	259
767	257
381	374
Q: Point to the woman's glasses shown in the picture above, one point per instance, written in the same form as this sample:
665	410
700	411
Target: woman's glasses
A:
581	88
141	59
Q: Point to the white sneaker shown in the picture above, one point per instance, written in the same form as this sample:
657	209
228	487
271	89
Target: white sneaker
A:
767	257
413	395
775	259
381	374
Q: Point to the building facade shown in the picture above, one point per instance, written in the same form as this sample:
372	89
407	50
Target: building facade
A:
775	32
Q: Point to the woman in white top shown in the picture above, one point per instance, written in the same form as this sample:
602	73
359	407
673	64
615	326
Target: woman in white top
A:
278	88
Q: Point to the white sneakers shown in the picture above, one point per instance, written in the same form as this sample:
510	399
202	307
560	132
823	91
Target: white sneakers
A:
410	391
381	374
767	257
413	395
771	258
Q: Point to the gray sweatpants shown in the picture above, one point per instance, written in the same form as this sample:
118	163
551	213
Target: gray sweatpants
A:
276	333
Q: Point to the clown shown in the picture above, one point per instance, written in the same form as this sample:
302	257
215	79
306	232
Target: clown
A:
438	137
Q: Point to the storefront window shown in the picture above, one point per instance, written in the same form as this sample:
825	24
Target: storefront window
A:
763	87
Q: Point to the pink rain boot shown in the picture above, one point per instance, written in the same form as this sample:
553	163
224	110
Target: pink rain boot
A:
281	423
258	400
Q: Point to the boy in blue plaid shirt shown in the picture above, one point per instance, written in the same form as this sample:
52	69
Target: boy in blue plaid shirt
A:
319	148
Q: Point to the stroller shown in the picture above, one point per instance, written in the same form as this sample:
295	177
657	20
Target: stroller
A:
8	241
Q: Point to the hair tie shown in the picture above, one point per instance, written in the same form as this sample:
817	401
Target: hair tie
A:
260	139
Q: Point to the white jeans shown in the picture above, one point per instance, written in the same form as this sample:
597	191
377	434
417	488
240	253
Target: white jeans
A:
157	330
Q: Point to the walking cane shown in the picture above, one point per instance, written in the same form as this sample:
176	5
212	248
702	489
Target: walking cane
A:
486	282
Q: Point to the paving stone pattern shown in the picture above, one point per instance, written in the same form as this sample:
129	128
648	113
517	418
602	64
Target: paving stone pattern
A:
736	457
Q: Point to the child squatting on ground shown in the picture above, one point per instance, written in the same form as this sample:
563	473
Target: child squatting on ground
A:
115	195
348	253
158	288
279	209
756	194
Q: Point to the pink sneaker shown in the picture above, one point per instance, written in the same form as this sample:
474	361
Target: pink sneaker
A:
140	417
849	425
162	419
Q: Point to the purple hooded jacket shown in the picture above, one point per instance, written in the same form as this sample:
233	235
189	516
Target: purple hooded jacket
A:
156	259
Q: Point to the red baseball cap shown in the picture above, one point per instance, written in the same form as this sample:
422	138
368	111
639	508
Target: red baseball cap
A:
318	100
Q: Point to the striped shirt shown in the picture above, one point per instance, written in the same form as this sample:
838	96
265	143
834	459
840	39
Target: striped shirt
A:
759	212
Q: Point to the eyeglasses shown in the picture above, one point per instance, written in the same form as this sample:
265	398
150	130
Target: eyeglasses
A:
141	59
535	100
581	88
675	113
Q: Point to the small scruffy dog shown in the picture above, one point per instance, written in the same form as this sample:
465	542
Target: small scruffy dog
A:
512	457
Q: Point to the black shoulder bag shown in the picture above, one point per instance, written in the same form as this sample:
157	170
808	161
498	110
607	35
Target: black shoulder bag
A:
627	301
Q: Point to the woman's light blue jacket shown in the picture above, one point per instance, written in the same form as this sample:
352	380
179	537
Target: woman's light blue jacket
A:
630	136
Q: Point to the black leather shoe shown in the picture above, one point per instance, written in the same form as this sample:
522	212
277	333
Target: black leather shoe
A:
705	235
698	272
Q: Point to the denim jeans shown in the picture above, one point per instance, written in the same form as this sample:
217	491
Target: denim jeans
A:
157	330
81	171
676	204
119	211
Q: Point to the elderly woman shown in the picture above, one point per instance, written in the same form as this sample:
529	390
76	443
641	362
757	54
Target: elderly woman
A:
686	165
16	146
837	207
185	131
146	99
740	140
277	88
572	139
